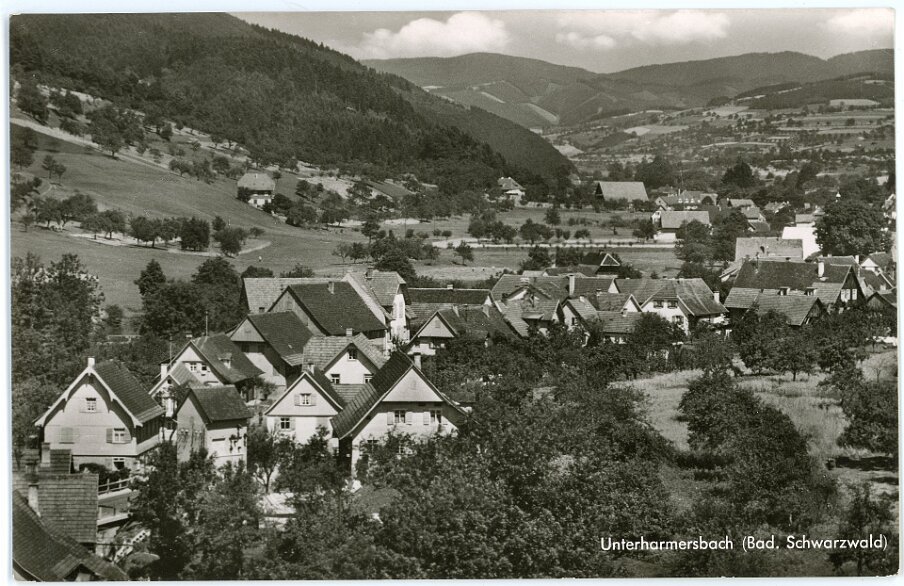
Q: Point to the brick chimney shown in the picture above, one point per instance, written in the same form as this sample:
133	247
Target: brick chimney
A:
349	332
91	362
571	279
164	370
820	268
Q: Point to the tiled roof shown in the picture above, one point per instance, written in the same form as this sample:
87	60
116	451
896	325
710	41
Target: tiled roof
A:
217	404
348	392
446	296
60	462
583	308
382	285
181	375
283	330
322	350
765	246
69	503
752	213
128	390
590	285
262	292
613	323
599	258
256	182
741	202
693	294
554	287
622	190
519	312
382	383
795	308
508	184
882	259
759	227
47	554
480	322
319	379
609	301
797	275
671	220
392	190
585	270
217	349
336	306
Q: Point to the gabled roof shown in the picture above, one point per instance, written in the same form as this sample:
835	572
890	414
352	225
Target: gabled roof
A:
383	286
556	287
66	501
284	331
217	350
759	227
694	295
621	190
764	246
382	383
335	306
181	375
447	296
599	258
256	181
262	292
321	351
318	379
47	554
795	308
584	270
128	390
741	202
612	301
798	275
882	259
591	285
614	323
217	404
518	313
671	220
508	184
481	322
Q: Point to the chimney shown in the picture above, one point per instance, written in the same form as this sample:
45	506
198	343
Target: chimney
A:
582	299
416	357
169	402
164	370
332	287
571	279
820	268
450	286
310	367
45	454
33	498
857	259
716	296
91	362
349	332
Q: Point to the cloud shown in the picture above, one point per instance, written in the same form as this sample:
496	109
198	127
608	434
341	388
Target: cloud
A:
604	30
463	32
862	21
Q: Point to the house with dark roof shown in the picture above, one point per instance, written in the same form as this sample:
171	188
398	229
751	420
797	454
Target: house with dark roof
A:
834	284
617	326
399	399
535	311
215	361
68	502
43	552
602	262
799	310
274	343
214	419
511	189
685	302
104	417
879	263
582	311
624	192
256	187
425	301
483	322
669	222
309	403
334	308
388	290
685	200
350	359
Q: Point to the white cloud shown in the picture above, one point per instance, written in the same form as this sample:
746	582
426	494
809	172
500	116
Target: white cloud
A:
862	21
464	32
606	29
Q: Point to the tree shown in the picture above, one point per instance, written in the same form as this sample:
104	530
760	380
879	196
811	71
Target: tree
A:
299	271
794	353
537	260
465	252
655	173
150	279
740	175
533	232
49	165
231	240
757	337
370	228
265	450
31	101
195	234
218	223
300	215
23	144
394	260
219	289
255	272
694	243
851	227
645	230
871	410
106	129
144	229
868	515
343	250
553	218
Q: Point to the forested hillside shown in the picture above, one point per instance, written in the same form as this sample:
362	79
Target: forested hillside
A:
282	97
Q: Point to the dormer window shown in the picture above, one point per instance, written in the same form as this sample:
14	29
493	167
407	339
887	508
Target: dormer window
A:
783	291
810	291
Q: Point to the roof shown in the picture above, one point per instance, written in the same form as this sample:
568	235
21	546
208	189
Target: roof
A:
256	181
262	292
599	258
798	275
556	286
741	202
621	190
336	306
217	404
448	296
391	190
795	308
670	220
480	322
181	375
889	298
321	351
128	390
591	286
284	331
217	350
764	246
348	392
615	323
519	312
45	553
508	184
882	259
319	379
370	396
694	295
584	270
688	197
68	502
610	301
383	286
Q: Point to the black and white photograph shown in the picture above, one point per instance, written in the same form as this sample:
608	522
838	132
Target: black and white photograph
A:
529	293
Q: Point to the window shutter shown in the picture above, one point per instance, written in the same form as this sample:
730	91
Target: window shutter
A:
291	423
313	398
297	400
109	435
426	418
409	417
390	418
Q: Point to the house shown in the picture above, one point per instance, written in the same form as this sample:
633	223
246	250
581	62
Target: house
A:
884	301
104	417
685	302
67	502
176	376
582	311
617	326
620	191
762	247
259	294
349	359
42	552
484	323
274	343
332	308
686	200
806	233
214	361
774	207
833	284
879	263
669	222
388	290
754	215
516	286
307	404
256	188
427	301
534	311
214	419
799	310
510	188
741	203
399	399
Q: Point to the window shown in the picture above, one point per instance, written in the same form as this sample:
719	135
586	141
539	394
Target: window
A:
399	417
436	417
119	435
783	291
673	304
334	378
678	320
304	399
574	321
193	366
657	304
368	377
91	405
285	424
204	367
119	463
352	353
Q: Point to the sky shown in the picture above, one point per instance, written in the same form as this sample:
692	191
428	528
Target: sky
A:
600	41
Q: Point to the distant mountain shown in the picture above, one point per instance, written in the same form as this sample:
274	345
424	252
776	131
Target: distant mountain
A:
280	96
535	93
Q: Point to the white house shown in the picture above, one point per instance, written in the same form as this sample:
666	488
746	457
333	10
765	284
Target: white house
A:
213	418
307	404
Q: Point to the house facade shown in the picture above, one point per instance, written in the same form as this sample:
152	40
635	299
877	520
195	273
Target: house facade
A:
308	404
215	419
212	361
257	187
274	343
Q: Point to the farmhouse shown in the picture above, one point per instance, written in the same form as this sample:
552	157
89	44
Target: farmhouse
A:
511	189
686	200
213	361
483	323
685	302
349	359
256	188
603	263
798	310
620	191
399	399
104	417
215	419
